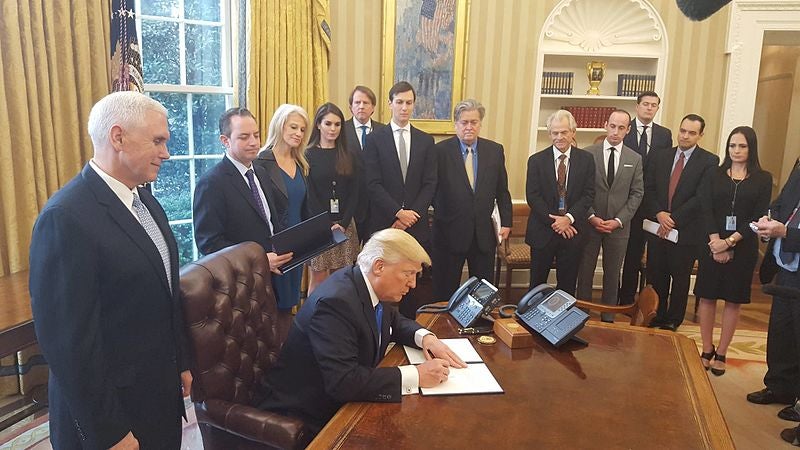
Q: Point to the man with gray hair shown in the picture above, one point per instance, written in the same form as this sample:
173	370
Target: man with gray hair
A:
341	333
559	190
471	178
104	291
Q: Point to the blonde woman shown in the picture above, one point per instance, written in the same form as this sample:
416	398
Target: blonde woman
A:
284	159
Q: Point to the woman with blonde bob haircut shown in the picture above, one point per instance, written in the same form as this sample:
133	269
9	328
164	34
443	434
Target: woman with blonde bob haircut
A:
287	193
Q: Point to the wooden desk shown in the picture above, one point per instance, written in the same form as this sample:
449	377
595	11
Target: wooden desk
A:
630	388
16	318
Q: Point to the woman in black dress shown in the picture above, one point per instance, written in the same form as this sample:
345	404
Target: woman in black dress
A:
333	187
736	194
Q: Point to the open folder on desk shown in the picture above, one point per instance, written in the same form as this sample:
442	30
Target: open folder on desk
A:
474	379
652	227
306	240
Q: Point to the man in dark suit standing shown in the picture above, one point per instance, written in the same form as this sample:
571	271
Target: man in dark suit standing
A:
342	331
619	188
560	189
672	198
471	178
782	381
646	137
104	291
401	175
230	204
362	104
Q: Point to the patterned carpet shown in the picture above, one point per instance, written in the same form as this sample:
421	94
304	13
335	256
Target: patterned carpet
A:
752	426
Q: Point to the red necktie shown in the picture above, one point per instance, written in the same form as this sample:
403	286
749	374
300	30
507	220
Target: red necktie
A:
675	177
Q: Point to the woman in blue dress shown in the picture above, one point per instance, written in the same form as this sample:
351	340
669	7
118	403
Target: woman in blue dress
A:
284	159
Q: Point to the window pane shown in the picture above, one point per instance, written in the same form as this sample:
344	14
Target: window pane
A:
203	63
167	8
202	166
160	61
178	121
206	111
185	237
172	189
202	10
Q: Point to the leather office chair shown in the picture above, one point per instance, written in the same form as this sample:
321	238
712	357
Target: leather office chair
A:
642	311
516	254
230	312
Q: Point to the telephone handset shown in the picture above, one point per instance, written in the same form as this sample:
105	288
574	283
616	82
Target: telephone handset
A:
472	300
551	313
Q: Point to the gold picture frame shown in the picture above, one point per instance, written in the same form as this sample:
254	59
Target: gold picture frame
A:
438	113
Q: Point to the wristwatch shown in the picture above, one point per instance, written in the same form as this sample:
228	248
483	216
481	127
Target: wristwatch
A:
731	241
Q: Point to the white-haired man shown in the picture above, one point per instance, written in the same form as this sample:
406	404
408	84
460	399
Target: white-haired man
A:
104	291
341	333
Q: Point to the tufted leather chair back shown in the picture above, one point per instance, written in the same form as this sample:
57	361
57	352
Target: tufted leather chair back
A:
230	313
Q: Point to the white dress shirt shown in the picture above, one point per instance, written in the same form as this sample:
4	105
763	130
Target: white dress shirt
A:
242	170
640	128
556	154
409	375
406	137
357	125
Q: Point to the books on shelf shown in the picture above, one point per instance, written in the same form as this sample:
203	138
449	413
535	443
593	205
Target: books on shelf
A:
559	83
590	116
630	85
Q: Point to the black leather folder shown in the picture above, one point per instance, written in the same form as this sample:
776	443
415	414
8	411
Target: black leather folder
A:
307	239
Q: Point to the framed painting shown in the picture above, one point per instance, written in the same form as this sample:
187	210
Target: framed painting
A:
424	43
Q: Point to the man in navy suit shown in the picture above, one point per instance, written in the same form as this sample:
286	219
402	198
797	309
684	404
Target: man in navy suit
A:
362	104
645	137
672	198
472	177
560	189
401	175
342	331
231	205
104	291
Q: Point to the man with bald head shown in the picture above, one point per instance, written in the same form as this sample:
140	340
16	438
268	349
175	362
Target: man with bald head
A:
104	291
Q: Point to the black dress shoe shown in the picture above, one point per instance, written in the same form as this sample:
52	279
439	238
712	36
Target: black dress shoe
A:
656	323
790	435
669	326
789	413
766	397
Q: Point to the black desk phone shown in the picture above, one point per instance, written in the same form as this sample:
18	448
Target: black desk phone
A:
551	313
475	298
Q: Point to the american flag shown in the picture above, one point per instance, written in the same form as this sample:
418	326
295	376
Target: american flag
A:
126	58
434	16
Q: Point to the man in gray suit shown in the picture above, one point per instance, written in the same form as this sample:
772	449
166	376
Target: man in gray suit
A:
618	192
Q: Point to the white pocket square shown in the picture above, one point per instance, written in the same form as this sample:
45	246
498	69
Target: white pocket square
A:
627	165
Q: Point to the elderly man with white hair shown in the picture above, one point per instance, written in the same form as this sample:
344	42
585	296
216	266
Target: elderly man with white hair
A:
104	291
341	333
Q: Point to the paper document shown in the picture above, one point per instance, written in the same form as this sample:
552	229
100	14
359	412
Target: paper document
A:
652	227
496	223
460	346
474	379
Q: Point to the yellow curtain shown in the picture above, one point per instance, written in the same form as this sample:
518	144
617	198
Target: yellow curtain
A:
54	65
288	56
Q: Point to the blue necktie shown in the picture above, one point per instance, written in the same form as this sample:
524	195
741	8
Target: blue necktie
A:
363	136
379	320
251	180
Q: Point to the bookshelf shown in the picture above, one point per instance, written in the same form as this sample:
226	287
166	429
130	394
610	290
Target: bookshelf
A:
627	35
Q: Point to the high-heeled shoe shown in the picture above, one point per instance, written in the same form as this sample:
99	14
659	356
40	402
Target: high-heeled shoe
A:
706	357
717	371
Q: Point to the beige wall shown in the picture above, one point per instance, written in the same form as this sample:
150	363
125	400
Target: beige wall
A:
503	39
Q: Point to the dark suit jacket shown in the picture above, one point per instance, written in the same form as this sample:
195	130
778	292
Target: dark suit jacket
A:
542	193
621	200
781	209
107	323
331	354
278	196
225	212
661	139
686	201
353	142
460	212
388	193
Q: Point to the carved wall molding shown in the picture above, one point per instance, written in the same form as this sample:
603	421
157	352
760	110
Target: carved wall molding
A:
595	25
